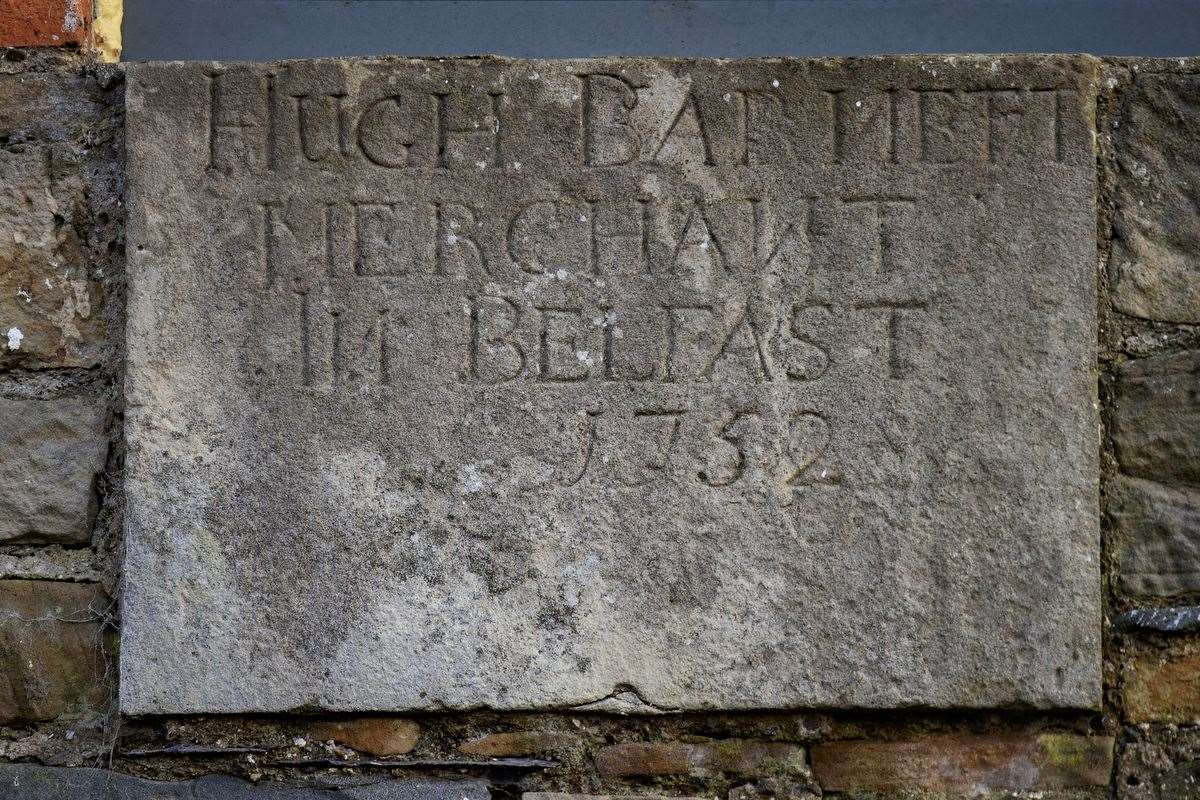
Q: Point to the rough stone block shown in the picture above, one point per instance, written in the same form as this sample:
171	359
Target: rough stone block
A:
964	765
515	384
44	23
570	796
48	97
1156	417
34	782
379	736
1158	541
736	756
1162	687
1158	762
49	306
518	743
53	648
773	788
1155	261
52	452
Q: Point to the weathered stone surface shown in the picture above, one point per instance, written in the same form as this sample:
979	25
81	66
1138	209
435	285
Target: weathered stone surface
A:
1155	261
1158	539
34	782
52	452
379	736
1156	417
48	303
964	765
772	788
518	743
1162	687
737	756
644	758
570	796
751	384
1158	762
52	650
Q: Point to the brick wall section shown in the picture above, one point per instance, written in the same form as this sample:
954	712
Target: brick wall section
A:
61	297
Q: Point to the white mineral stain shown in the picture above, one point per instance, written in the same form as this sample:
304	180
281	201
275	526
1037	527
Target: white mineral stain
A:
470	480
14	338
71	19
775	83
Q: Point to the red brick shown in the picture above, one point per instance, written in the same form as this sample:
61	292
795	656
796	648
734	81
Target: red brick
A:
966	765
44	23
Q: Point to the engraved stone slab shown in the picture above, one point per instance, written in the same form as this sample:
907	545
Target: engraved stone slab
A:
623	384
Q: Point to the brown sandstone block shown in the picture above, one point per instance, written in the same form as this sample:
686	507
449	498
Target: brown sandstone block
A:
570	796
964	764
1162	688
44	23
1155	262
518	743
52	650
379	736
736	756
643	758
49	305
1158	539
50	454
1156	418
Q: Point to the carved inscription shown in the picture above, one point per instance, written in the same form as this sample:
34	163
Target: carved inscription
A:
257	124
599	289
675	244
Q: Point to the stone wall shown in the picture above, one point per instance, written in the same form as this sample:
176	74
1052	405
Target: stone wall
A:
61	368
